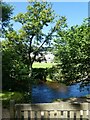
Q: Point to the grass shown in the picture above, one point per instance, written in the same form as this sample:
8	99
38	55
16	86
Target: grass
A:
10	95
88	96
48	79
5	97
42	65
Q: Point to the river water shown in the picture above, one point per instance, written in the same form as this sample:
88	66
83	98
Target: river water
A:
45	94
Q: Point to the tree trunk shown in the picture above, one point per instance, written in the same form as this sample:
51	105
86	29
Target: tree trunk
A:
30	70
30	80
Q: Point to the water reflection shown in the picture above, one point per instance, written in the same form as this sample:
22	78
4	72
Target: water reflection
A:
48	93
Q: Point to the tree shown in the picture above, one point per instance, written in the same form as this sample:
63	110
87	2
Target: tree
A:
7	11
31	38
73	48
14	69
38	16
5	17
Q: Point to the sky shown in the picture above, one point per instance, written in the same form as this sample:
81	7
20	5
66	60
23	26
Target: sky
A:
75	12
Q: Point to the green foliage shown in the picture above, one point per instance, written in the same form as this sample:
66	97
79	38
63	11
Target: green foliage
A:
20	48
14	70
39	74
73	53
38	17
7	96
7	11
55	74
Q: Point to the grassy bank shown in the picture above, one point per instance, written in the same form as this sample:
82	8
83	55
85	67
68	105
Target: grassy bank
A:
43	65
5	97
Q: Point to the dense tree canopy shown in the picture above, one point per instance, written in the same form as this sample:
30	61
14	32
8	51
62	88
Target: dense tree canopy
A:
14	70
72	49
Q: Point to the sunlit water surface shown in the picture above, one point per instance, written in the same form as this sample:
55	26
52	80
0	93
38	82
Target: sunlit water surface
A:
45	94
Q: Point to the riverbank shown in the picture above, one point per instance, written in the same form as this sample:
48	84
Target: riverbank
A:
75	99
6	96
6	111
50	91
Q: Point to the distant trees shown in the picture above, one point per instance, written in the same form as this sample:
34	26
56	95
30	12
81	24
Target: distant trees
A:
72	49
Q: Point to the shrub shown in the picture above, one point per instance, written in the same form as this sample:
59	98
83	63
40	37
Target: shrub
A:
55	74
39	74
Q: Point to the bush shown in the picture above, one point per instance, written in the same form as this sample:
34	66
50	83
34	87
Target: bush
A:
7	96
55	74
39	74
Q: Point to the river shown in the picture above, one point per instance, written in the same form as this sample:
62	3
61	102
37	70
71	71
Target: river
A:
46	93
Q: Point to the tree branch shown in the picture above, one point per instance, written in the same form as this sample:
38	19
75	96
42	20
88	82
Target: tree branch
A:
47	37
29	52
